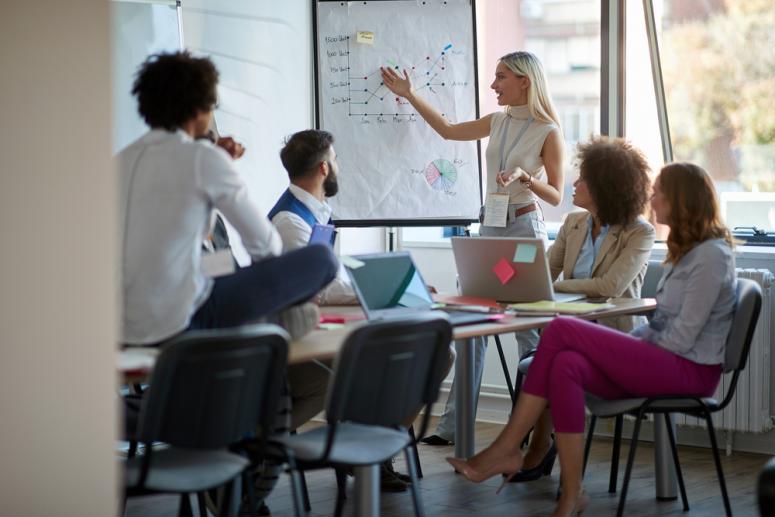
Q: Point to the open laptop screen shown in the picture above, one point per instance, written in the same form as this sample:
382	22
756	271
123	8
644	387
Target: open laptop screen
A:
389	281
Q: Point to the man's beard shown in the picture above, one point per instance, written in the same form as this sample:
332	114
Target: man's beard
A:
330	184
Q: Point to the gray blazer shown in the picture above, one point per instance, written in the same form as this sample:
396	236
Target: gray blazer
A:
695	304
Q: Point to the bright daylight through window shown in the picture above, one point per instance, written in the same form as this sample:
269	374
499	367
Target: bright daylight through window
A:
719	75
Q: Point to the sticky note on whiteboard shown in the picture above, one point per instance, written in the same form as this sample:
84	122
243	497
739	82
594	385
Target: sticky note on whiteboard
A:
525	253
366	37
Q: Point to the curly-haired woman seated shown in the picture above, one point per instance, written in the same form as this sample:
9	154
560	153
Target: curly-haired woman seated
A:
679	352
601	252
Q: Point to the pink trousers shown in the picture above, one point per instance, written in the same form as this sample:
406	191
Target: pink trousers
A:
575	356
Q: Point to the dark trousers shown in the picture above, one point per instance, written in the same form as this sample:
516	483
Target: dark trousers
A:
267	287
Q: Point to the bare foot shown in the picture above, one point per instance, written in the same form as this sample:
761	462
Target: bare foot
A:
507	464
491	455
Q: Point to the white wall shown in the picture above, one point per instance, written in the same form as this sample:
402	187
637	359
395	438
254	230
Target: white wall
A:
138	30
263	51
58	303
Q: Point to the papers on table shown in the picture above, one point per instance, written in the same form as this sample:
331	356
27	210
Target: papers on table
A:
551	307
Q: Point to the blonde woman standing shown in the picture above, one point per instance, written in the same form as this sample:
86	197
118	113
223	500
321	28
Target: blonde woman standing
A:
524	164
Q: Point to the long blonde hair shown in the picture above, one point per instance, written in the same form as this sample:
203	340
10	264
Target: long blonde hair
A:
539	103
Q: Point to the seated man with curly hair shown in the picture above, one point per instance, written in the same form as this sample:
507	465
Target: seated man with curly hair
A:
172	181
602	251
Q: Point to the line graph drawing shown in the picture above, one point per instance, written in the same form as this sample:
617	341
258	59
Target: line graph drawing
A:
367	96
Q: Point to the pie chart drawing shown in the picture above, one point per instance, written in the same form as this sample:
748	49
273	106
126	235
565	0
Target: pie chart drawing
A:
441	174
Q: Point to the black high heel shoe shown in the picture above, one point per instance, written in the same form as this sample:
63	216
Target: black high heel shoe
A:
542	469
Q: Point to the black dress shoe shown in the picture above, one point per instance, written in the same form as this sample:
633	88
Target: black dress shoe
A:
406	478
542	469
388	482
435	439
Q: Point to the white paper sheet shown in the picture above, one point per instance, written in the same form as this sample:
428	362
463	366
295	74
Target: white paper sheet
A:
392	164
496	210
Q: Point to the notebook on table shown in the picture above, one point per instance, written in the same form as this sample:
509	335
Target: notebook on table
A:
389	285
506	269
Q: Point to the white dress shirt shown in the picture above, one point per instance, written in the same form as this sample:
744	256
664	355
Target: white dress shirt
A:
170	185
295	233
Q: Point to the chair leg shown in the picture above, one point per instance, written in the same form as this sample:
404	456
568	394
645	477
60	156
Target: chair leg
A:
250	490
588	445
200	500
298	504
341	491
717	459
304	492
304	489
184	509
225	508
676	462
617	445
518	380
415	452
418	510
505	369
630	461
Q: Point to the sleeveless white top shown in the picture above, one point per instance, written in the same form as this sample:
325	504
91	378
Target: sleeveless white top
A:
525	155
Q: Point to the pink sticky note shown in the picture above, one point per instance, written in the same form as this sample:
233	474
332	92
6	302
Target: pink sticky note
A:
504	271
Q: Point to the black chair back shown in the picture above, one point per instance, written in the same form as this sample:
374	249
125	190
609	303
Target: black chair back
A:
386	371
210	389
654	271
748	307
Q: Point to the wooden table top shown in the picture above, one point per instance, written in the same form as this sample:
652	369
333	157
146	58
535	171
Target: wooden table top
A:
323	344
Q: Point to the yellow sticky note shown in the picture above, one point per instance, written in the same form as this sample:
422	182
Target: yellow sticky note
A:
352	263
366	37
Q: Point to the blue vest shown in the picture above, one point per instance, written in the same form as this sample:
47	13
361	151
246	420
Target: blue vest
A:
289	203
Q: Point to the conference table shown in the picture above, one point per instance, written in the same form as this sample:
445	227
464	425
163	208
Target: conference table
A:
322	344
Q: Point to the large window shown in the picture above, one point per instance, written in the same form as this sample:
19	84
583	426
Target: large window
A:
565	35
718	72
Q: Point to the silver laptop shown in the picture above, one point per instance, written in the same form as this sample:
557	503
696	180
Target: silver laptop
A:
506	269
388	285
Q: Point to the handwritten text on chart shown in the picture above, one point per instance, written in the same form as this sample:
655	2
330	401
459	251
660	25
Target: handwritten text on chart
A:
367	96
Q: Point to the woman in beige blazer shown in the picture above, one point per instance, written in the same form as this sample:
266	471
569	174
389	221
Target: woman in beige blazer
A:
601	252
618	268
